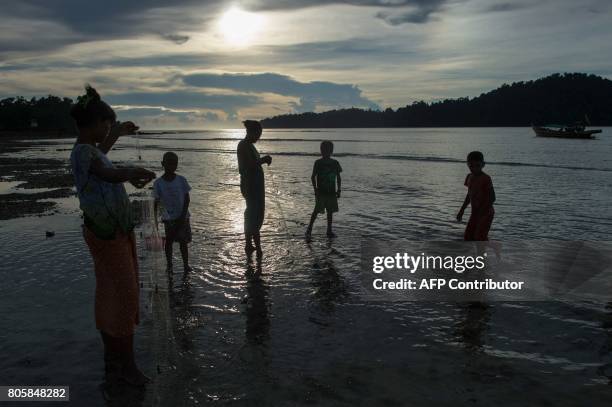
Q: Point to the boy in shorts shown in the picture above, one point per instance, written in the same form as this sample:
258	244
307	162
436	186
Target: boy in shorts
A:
172	191
325	174
481	197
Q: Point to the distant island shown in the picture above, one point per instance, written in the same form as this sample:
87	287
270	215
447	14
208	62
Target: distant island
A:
558	98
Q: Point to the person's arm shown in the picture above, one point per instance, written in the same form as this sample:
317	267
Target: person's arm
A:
466	202
155	203
339	178
119	175
266	159
313	178
119	129
492	195
155	209
186	201
185	208
248	160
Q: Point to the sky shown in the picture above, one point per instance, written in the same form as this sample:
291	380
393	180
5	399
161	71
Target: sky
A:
188	64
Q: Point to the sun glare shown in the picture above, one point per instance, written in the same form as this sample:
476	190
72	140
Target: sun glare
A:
239	27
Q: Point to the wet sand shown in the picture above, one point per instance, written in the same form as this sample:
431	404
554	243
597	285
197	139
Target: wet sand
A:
31	173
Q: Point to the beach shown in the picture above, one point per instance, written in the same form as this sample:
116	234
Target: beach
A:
294	329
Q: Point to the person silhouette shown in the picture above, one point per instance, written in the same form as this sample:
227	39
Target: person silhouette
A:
252	185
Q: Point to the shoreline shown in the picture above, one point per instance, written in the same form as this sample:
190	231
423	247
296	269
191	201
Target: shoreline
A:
32	134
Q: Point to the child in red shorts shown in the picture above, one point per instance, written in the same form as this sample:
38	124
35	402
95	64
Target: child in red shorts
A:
481	196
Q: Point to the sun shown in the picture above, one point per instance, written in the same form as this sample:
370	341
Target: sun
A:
239	27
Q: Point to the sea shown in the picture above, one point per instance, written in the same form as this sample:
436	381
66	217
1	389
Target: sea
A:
293	329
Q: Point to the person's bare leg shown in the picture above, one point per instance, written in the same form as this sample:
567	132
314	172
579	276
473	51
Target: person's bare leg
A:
112	358
257	240
313	217
330	219
168	249
248	247
130	372
185	255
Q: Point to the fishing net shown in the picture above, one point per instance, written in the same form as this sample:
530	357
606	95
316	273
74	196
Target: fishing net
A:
158	334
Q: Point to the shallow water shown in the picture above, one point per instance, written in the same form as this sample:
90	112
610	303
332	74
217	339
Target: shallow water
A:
296	331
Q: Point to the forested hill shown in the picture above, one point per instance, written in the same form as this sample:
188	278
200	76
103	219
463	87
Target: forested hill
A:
46	113
558	98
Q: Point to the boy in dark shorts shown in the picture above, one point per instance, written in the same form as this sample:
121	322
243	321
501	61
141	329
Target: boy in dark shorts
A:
481	197
325	173
172	191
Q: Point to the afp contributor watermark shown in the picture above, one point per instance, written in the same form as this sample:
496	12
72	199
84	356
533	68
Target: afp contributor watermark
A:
473	271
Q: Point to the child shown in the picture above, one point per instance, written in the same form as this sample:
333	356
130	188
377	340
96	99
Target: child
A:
108	231
481	196
325	172
172	191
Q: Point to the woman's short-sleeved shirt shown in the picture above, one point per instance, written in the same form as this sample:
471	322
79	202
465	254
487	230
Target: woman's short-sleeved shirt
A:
105	205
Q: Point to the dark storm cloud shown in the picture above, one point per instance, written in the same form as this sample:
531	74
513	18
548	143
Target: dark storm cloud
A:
310	94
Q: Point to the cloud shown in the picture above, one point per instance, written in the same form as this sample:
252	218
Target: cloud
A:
501	7
420	12
299	4
176	38
352	50
162	115
76	21
185	100
311	94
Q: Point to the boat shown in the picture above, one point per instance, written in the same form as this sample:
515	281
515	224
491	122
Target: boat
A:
562	131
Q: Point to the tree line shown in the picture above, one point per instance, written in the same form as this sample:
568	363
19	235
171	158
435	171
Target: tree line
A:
558	98
50	113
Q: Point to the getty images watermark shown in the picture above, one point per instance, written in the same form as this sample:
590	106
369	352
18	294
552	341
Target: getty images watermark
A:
478	271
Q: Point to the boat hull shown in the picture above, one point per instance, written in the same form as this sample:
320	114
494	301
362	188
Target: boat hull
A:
546	132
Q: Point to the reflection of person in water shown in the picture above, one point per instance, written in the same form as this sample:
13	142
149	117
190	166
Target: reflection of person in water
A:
258	321
329	286
472	327
181	303
252	185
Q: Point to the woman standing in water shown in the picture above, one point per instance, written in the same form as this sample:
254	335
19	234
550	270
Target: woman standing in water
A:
108	230
252	185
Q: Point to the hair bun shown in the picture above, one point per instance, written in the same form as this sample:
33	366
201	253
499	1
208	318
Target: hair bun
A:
90	108
92	93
